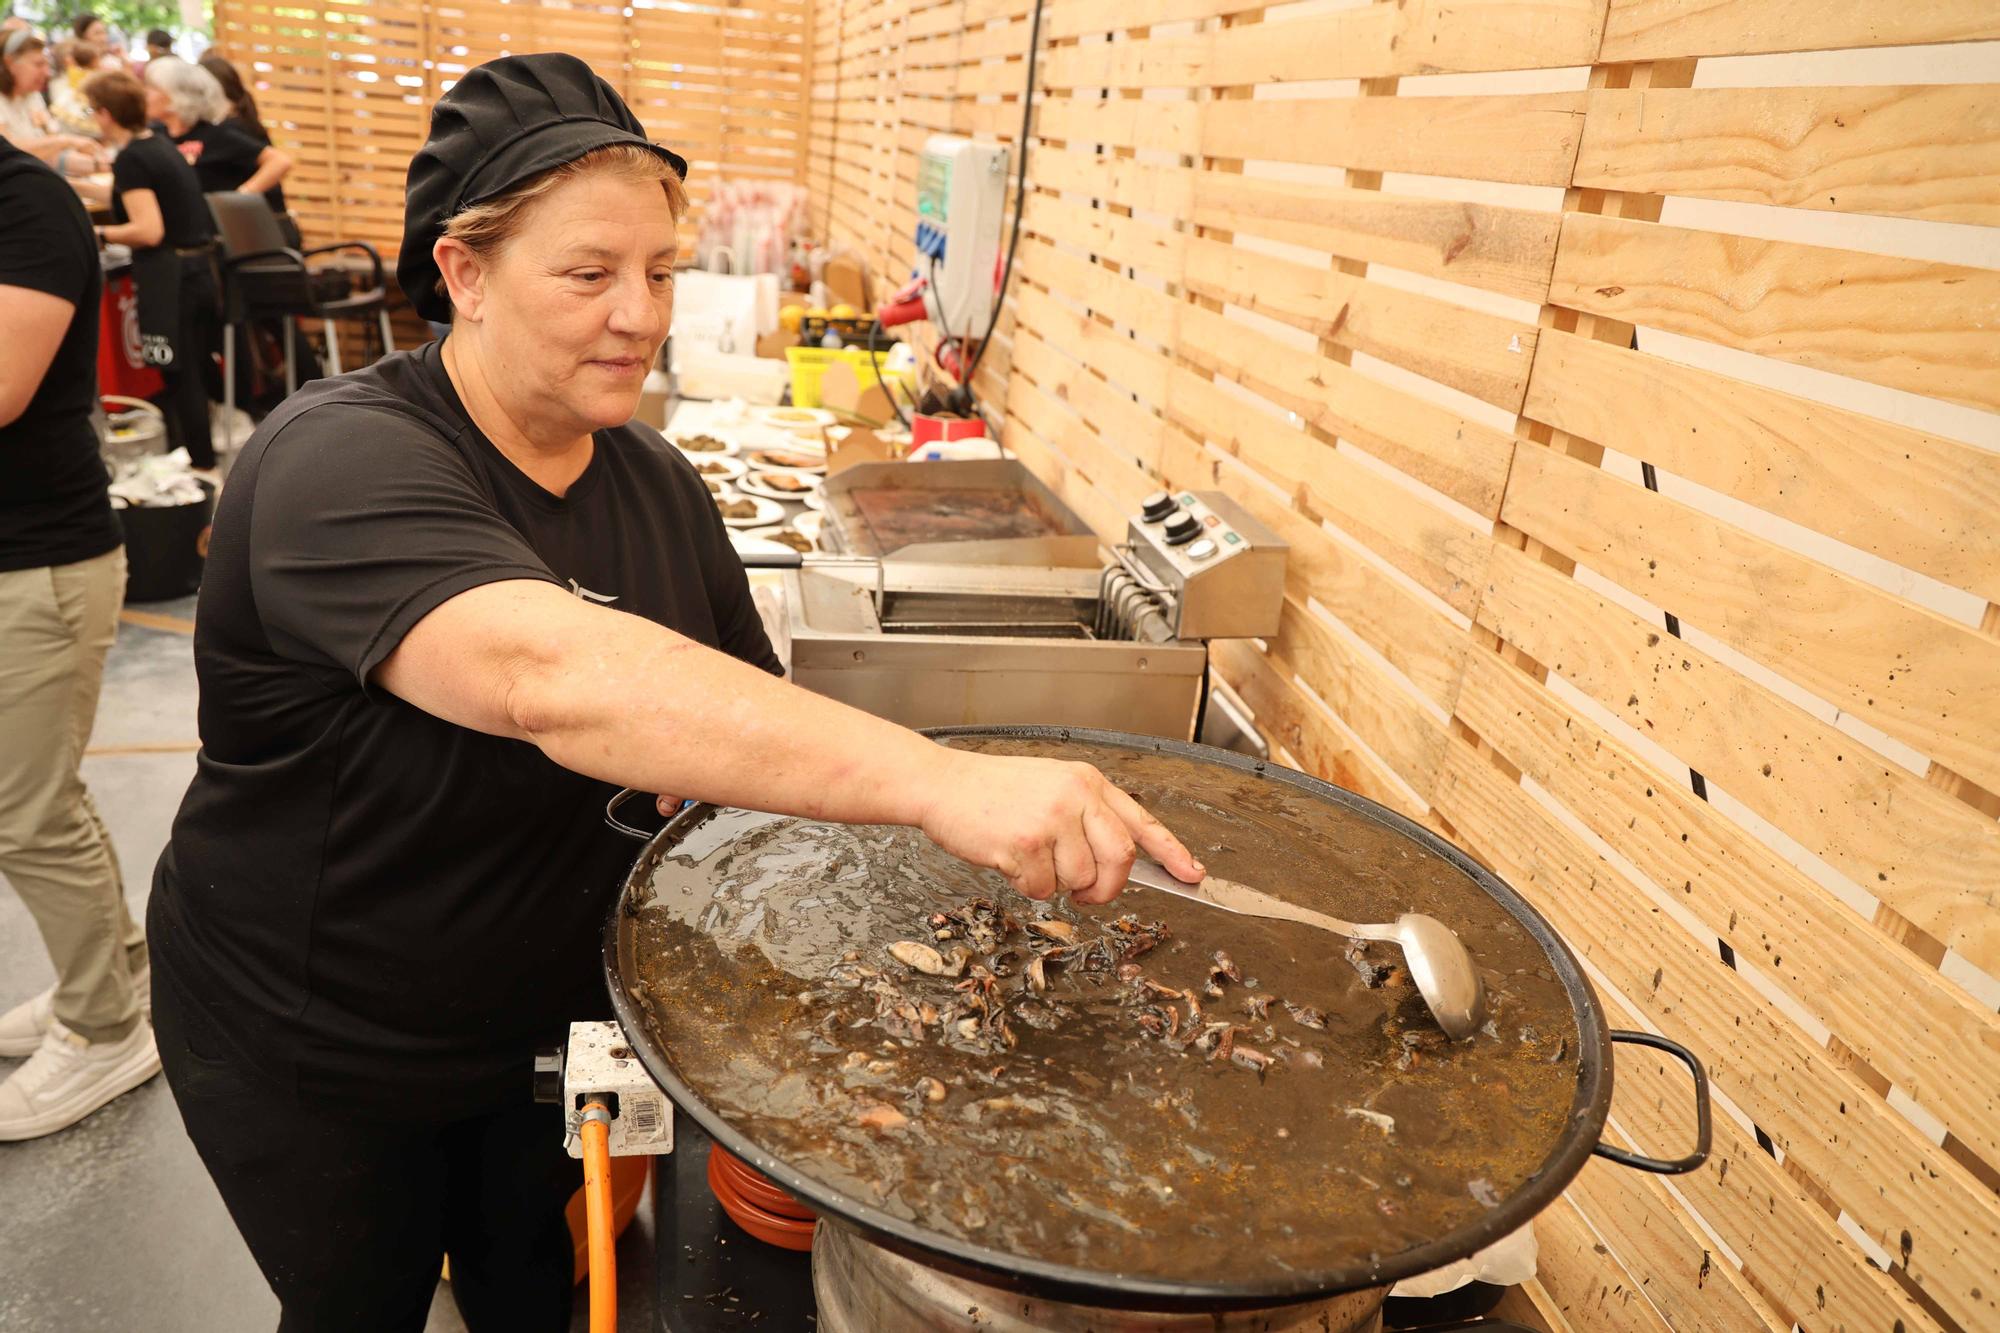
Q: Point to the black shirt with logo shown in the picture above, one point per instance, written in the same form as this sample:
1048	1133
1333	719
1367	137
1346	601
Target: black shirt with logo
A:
54	509
363	899
224	156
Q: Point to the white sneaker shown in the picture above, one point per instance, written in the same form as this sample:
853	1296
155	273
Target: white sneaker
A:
67	1078
21	1027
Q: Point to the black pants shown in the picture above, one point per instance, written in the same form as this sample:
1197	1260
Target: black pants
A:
350	1217
185	400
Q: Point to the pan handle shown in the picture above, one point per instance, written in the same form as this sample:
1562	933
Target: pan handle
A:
612	820
1703	1129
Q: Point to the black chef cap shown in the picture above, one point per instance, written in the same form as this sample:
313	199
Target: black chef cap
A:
505	121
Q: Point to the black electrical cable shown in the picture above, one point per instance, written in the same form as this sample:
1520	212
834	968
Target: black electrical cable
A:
875	360
1201	706
1020	193
944	325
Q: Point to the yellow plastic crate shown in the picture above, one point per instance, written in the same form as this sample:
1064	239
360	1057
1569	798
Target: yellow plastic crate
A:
809	366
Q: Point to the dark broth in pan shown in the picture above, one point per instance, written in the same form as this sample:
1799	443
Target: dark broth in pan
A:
1083	1133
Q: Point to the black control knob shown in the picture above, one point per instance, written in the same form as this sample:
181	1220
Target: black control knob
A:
1156	506
1182	527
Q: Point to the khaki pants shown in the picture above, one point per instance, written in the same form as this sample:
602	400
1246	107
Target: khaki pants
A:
56	625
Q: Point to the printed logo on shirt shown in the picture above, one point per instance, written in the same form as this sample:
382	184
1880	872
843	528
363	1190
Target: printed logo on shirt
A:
191	150
603	598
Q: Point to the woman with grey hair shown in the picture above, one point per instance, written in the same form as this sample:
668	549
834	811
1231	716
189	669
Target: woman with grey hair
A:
190	105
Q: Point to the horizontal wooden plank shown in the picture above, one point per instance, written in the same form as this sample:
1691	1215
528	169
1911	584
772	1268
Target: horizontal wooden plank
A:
1666	1253
1172	127
1382	713
1670	29
1507	250
1290	719
1373	41
1791	1248
1463	459
1427	648
1439	550
1484	355
1529	140
1933	859
1920	500
1928	152
1923	327
1916	1028
1869	1159
1929	681
1591	1290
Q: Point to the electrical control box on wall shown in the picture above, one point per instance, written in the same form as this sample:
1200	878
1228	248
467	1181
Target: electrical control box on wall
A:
961	194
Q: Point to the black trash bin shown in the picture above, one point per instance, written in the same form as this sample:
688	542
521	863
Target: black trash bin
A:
165	546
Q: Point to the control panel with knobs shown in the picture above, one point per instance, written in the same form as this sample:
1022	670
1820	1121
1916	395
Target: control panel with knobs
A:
1220	569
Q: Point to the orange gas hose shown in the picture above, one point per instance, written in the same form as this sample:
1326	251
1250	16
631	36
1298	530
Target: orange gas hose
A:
596	1134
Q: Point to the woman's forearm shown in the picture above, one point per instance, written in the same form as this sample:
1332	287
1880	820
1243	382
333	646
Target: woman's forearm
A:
647	708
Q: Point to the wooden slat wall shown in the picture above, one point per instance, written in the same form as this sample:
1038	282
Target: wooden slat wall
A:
1629	391
346	87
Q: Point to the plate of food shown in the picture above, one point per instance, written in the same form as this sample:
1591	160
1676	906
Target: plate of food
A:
789	538
748	511
719	488
776	485
722	467
807	421
701	442
788	460
807	525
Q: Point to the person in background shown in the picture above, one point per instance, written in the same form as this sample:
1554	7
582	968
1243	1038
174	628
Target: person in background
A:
62	577
72	114
242	104
189	103
24	111
158	211
159	42
89	29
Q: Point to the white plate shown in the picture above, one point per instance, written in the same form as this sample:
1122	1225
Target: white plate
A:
810	462
793	420
722	467
808	523
768	512
768	534
765	484
729	445
719	488
816	501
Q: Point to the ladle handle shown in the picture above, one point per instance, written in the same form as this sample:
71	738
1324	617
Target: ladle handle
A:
1246	901
1703	1129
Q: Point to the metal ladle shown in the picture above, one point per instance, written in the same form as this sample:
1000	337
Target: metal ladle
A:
1438	961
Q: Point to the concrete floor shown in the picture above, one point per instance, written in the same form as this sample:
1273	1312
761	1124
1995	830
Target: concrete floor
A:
112	1225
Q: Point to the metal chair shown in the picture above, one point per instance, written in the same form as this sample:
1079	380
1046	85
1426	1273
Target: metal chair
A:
264	278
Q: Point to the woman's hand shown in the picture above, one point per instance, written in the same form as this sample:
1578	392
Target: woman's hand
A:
1047	825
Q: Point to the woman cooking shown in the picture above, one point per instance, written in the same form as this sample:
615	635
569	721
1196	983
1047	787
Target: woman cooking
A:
452	601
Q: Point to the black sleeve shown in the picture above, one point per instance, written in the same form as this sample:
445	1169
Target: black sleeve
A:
42	246
737	623
229	155
362	523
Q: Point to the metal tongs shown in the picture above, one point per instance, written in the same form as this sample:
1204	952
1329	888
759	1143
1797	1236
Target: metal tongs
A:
1438	961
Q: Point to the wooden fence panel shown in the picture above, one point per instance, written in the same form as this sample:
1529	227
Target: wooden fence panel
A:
347	87
1631	402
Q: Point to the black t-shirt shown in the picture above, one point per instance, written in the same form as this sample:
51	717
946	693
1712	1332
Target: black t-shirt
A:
365	900
53	505
224	156
152	163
